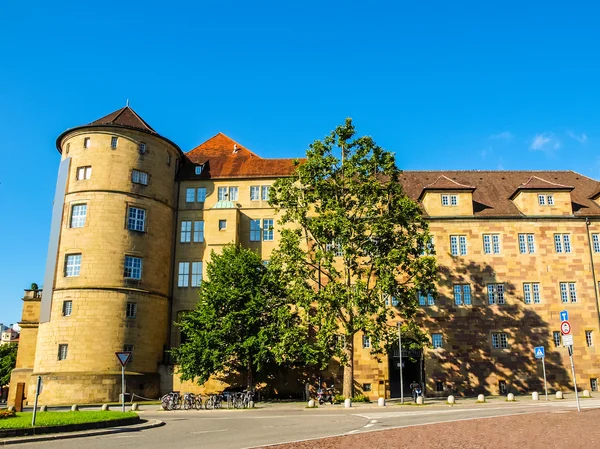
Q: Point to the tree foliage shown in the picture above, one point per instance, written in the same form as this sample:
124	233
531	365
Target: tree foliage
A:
8	360
351	242
241	322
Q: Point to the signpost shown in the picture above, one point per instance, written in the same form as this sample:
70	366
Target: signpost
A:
541	354
400	353
123	357
567	340
38	390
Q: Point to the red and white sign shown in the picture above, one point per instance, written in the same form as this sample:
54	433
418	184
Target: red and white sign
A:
123	357
565	327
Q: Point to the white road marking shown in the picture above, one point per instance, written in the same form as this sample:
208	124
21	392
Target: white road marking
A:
210	431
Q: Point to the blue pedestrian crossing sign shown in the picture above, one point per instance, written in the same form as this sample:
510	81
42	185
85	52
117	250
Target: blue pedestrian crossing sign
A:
539	352
564	316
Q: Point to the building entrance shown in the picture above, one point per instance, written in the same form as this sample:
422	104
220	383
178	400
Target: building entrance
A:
412	370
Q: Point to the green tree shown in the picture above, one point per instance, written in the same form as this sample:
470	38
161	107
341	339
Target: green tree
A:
351	242
8	359
241	323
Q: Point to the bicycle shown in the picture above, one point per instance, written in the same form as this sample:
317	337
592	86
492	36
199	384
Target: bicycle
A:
213	402
190	401
171	401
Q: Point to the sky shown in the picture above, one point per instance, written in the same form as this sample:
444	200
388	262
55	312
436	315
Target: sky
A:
445	85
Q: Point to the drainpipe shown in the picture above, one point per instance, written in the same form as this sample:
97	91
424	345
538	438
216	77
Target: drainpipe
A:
172	281
587	227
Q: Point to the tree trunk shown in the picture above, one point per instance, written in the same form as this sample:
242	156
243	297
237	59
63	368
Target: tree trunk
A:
348	388
250	378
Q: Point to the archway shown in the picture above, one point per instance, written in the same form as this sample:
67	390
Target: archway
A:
412	369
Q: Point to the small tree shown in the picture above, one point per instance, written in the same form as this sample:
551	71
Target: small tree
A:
351	244
8	360
241	321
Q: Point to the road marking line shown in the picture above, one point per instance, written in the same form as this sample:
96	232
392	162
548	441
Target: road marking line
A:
210	431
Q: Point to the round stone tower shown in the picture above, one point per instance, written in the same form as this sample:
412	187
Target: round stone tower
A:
108	274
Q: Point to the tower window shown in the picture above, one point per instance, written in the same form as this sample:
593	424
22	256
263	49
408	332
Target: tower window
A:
131	310
133	267
62	351
72	265
139	177
136	220
113	142
222	225
67	308
84	172
78	213
86	142
142	148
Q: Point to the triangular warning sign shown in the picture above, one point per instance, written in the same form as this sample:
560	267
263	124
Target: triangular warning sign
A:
123	357
539	352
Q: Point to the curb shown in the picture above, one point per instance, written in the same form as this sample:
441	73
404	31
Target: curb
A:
146	424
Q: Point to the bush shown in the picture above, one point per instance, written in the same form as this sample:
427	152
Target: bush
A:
360	398
7	414
338	399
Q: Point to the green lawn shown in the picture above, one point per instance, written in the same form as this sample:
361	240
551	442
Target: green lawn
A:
23	420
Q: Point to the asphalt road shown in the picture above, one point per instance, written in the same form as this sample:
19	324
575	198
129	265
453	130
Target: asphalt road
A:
239	429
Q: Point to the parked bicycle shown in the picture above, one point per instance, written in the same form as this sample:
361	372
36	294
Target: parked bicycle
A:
214	401
192	401
171	401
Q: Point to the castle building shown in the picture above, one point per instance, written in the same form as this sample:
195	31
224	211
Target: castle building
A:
135	220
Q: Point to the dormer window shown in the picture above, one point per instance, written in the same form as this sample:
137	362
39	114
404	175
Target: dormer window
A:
198	169
546	200
449	200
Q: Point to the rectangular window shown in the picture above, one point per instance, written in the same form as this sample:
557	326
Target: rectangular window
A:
394	300
63	351
255	230
222	225
366	342
198	169
254	193
550	200
453	200
133	267
568	292
596	242
588	338
78	213
264	193
86	142
233	194
542	200
426	299
502	387
143	149
190	195
436	340
487	244
139	177
499	340
196	274
198	231
445	200
458	245
367	387
462	243
556	338
67	308
131	310
594	384
221	193
439	386
462	294
72	265
496	293
136	219
531	293
186	231
183	277
491	243
268	232
201	194
526	244
562	243
84	172
113	142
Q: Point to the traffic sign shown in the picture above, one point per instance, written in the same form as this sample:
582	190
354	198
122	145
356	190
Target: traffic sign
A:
123	357
565	327
564	316
567	340
539	352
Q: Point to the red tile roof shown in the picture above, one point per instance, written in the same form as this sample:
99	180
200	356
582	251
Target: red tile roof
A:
493	189
445	183
537	183
223	157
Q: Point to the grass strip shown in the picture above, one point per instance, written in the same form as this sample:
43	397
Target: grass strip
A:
23	420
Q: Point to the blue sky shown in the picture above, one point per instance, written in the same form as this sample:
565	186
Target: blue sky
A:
456	85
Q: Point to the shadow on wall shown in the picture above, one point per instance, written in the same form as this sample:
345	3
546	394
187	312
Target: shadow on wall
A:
467	363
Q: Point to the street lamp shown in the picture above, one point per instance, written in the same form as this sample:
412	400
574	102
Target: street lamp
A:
400	353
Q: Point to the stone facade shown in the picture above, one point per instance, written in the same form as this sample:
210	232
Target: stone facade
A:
494	240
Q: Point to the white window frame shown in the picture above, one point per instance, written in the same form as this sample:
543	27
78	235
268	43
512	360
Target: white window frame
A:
72	265
84	172
136	219
139	177
142	148
542	200
562	243
491	243
437	340
114	141
183	275
198	231
426	300
63	351
234	193
222	225
78	215
196	274
453	200
185	235
550	200
366	341
499	340
254	193
222	194
67	307
255	230
496	293
531	293
568	292
86	142
589	338
132	268
268	229
445	200
596	242
526	244
462	294
131	310
264	193
201	194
